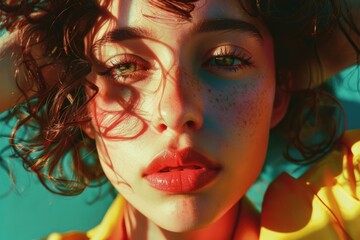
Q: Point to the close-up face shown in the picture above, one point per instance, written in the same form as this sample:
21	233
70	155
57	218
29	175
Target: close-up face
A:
184	109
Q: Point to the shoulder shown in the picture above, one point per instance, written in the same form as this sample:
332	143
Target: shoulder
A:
323	203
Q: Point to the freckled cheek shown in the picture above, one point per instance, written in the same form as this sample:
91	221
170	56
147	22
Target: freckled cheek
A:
242	110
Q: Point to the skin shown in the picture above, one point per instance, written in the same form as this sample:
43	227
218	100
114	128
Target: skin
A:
185	101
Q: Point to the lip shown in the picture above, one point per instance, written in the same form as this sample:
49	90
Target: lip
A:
181	171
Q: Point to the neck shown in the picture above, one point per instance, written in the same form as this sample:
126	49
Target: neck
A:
240	222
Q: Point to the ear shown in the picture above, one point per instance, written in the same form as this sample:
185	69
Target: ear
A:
281	103
88	129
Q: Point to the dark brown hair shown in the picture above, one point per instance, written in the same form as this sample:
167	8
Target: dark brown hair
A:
63	158
315	120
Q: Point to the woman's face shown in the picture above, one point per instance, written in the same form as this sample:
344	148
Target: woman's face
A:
182	116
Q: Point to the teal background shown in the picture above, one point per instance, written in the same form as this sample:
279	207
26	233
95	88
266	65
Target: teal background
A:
347	90
29	211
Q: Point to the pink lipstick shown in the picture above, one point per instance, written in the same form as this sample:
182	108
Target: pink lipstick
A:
181	171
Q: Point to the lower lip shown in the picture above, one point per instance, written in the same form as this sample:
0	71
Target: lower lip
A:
182	181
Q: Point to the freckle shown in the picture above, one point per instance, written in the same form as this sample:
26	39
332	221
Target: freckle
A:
217	100
209	90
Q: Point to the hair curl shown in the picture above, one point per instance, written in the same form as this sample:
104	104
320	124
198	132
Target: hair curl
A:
315	120
57	110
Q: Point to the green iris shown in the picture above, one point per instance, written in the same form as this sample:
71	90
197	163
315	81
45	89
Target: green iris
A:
125	68
225	61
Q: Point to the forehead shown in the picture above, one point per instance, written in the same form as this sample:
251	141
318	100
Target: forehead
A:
155	13
129	11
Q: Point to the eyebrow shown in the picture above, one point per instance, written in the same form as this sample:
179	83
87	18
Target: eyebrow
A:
228	25
212	25
125	33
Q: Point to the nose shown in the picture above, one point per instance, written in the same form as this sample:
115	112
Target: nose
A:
179	108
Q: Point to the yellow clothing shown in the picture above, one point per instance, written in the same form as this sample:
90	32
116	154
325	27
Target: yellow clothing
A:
322	204
103	230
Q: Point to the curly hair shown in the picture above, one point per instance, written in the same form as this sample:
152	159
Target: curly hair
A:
55	115
63	158
315	120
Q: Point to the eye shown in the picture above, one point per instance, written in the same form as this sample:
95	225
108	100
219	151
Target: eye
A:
127	68
227	61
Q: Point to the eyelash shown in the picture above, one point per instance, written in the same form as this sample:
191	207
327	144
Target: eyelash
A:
139	73
142	67
244	58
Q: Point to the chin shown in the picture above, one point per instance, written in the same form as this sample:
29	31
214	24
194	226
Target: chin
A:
183	218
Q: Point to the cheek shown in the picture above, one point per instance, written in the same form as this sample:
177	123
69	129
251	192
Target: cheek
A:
108	163
243	108
120	167
118	125
243	115
113	115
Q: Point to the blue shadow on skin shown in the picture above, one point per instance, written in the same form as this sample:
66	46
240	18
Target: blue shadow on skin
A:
347	90
2	32
29	211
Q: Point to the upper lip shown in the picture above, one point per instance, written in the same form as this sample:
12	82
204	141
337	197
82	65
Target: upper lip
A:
186	158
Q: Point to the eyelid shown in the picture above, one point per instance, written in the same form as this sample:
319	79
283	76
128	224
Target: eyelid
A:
125	58
232	71
122	59
226	50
